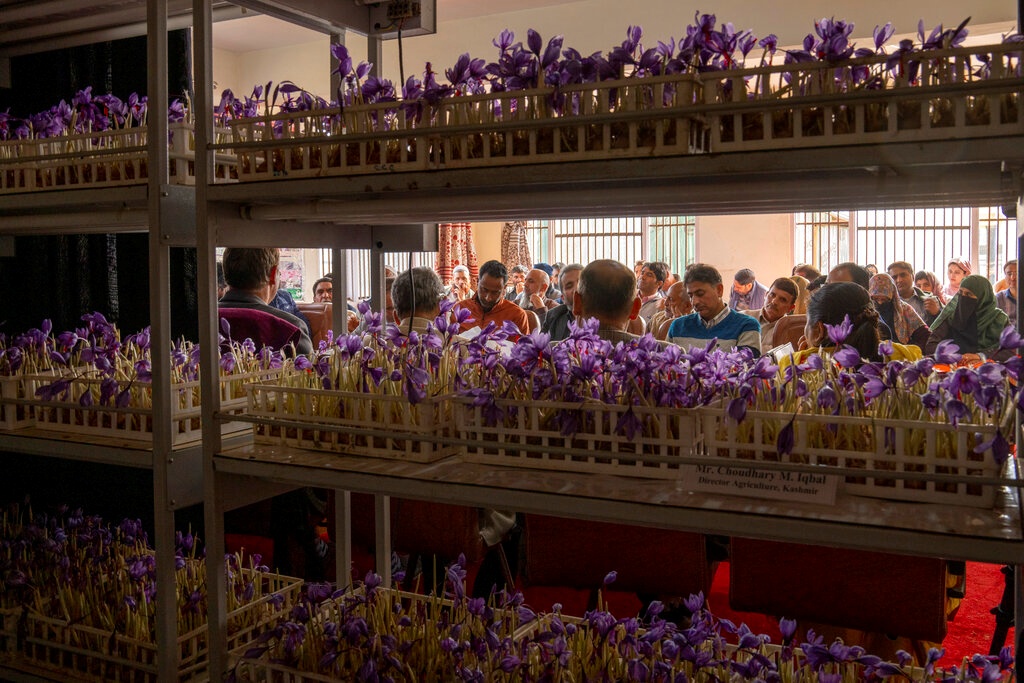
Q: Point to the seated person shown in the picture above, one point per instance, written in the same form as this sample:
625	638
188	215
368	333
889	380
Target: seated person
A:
1006	298
802	294
900	318
460	288
489	305
711	317
251	275
779	303
556	322
677	304
849	271
830	305
534	296
607	292
516	280
973	321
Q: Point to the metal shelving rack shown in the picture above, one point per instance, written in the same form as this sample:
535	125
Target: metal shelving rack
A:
334	212
369	212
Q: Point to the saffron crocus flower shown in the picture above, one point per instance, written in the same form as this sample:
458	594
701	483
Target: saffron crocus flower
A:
839	333
999	446
948	352
847	356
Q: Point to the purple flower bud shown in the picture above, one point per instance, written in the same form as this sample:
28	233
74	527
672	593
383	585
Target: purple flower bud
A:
786	439
847	357
948	352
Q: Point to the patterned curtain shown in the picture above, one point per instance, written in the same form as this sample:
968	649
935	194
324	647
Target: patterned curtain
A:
455	248
515	249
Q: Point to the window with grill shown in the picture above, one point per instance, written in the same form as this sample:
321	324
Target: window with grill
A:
926	238
357	273
625	239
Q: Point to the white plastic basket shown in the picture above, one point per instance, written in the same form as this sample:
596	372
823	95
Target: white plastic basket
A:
135	422
532	435
881	448
380	426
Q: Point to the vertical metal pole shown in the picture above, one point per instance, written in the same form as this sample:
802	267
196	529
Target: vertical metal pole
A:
343	537
208	341
160	335
383	538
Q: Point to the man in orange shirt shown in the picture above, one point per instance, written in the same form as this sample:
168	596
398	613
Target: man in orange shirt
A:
489	303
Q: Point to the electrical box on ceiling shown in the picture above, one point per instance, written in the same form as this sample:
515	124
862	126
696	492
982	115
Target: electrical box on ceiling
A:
411	17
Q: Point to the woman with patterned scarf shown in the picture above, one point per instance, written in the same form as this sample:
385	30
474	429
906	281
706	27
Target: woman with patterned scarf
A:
903	321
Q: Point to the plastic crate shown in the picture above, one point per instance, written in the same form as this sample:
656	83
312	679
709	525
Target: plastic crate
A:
92	654
531	435
135	422
380	426
879	447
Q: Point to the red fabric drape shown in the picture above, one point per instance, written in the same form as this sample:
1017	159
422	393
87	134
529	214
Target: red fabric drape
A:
455	247
515	249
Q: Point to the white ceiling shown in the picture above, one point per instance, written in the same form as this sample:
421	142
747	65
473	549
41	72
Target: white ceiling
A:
244	35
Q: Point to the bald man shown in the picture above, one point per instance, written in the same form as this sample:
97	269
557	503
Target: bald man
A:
607	291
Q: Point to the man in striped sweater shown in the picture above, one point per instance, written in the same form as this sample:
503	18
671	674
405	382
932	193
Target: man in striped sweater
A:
711	317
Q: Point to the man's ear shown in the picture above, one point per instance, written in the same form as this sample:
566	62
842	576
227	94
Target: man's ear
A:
720	288
636	307
273	277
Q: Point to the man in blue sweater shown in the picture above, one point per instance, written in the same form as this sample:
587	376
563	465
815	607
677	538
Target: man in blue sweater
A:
711	317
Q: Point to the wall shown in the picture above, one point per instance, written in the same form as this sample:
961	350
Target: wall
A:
591	25
487	237
763	243
308	65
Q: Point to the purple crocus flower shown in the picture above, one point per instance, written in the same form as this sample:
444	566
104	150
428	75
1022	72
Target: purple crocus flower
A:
948	352
839	333
999	446
847	356
786	439
956	411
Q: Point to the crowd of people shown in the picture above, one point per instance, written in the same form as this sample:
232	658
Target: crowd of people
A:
911	308
788	318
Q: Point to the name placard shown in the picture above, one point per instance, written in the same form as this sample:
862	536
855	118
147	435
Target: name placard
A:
737	480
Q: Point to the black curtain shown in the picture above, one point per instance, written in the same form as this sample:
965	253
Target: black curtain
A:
64	277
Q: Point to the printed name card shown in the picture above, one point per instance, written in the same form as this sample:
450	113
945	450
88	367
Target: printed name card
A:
738	480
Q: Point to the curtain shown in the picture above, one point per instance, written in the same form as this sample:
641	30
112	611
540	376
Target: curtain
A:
456	248
515	249
63	277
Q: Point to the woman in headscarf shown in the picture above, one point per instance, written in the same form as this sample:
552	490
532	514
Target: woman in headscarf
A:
903	321
957	269
802	294
972	320
927	282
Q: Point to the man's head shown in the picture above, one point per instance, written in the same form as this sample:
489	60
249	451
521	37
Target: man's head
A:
518	275
460	277
556	272
417	292
490	288
652	277
1010	273
780	300
743	281
669	281
607	291
677	302
570	278
252	270
850	272
537	282
323	289
704	287
902	273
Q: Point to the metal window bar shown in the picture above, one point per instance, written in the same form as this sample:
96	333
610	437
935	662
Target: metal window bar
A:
821	238
926	238
997	241
357	275
626	239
